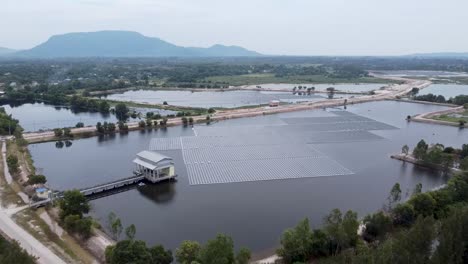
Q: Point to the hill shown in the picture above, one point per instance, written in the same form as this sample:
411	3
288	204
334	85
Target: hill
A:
5	51
123	44
441	55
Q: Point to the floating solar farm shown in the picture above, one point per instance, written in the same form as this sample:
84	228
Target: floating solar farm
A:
281	149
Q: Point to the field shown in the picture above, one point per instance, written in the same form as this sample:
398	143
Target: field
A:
248	79
453	117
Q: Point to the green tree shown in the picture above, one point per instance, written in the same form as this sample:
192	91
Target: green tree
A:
420	150
12	162
453	238
464	163
376	226
130	231
423	204
218	251
121	111
405	149
187	252
12	253
67	132
128	251
296	243
73	203
58	132
79	124
243	256
160	256
395	196
417	189
37	179
403	214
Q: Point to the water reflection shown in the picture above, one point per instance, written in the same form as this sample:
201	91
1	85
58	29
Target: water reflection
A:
161	193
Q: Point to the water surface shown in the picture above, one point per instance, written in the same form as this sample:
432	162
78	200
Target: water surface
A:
446	90
253	213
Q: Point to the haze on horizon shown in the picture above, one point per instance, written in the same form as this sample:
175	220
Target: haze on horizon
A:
295	27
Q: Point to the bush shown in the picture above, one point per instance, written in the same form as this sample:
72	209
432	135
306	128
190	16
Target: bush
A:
12	162
142	124
58	132
79	124
35	179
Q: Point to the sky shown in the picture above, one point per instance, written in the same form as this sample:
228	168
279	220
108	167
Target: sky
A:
276	27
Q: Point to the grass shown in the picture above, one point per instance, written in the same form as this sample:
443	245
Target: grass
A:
159	106
250	79
453	119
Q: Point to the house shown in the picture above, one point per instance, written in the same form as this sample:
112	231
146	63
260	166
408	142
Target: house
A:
42	193
154	166
274	103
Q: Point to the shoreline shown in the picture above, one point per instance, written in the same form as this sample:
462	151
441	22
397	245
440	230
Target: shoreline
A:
392	91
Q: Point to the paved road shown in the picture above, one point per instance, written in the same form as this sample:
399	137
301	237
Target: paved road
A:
14	231
27	241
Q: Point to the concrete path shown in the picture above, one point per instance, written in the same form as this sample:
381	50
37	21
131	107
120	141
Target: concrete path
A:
26	241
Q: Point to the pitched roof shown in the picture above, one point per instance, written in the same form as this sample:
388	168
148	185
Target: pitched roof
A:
152	156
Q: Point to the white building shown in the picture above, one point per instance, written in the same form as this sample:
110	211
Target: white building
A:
154	166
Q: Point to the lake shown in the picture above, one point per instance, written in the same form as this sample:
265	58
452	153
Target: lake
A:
253	213
229	99
446	90
343	87
40	116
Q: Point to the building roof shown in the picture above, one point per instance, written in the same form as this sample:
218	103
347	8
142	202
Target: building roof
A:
152	156
144	164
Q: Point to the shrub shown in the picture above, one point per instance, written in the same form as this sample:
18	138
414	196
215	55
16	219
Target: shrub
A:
35	179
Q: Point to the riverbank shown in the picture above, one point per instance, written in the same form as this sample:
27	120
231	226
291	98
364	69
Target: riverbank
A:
429	117
409	158
392	91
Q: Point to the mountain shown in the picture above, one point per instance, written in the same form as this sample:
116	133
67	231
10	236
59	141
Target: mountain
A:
441	55
6	51
123	44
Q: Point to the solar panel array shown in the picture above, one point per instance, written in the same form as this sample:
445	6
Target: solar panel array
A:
268	150
261	170
220	154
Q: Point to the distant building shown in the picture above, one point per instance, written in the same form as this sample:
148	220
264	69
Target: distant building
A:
154	166
42	193
274	103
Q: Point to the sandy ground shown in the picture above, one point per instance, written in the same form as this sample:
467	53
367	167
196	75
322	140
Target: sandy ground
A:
6	173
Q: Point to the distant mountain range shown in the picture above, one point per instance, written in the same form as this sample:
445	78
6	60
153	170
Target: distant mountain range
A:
121	44
4	51
441	55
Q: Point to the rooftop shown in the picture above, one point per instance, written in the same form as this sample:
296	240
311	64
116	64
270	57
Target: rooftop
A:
152	156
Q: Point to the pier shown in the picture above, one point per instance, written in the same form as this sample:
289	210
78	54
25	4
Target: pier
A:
150	166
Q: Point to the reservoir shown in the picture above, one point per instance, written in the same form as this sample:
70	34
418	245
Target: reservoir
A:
228	99
40	116
446	90
254	213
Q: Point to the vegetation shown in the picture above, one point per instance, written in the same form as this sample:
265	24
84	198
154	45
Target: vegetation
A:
439	156
12	253
406	233
105	128
457	100
37	179
72	208
8	125
12	162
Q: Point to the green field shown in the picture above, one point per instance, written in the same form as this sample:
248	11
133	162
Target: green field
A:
454	119
248	79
